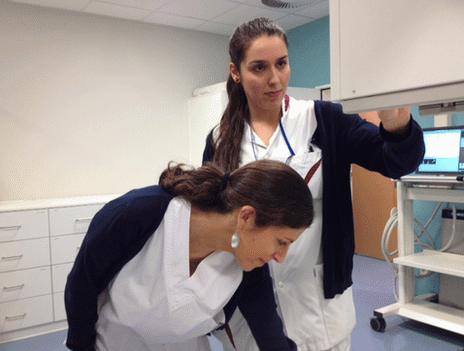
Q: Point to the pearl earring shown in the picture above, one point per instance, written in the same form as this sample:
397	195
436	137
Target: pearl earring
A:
235	241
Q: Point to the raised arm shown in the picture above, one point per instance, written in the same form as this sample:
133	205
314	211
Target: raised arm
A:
393	149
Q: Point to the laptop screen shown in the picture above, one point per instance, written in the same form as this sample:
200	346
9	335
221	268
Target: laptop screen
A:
444	151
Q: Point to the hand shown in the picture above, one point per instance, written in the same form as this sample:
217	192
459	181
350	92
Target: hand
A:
395	120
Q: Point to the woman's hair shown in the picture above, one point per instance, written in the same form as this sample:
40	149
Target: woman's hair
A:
278	193
227	148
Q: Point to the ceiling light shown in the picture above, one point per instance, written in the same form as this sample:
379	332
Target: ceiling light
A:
285	4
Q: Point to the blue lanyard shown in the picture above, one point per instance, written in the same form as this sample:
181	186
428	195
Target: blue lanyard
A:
282	130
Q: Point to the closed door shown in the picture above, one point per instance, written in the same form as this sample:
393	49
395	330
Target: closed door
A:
373	198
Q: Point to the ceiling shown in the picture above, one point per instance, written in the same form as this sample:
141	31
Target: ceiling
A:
214	16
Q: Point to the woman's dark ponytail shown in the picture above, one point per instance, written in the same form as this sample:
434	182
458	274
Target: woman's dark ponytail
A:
231	128
202	187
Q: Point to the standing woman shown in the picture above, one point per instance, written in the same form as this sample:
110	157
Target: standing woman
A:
162	266
313	286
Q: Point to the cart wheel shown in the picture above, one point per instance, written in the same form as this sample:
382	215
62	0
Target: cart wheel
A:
378	324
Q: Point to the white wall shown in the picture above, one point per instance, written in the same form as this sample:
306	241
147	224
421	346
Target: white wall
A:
94	105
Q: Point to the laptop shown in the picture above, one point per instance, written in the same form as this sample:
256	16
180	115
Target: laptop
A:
444	157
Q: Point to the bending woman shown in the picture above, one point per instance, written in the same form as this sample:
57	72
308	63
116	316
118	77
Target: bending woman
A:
166	262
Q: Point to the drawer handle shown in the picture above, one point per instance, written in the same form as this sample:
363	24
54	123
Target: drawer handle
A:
87	219
11	227
12	288
11	258
15	318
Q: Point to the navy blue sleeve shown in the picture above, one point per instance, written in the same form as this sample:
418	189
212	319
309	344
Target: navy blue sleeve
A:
115	235
84	282
258	306
378	150
208	152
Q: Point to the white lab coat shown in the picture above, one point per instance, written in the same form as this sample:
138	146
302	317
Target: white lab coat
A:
154	305
313	322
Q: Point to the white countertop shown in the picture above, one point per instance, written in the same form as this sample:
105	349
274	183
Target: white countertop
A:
22	205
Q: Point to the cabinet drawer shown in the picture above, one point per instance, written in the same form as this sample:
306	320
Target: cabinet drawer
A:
72	220
25	313
24	254
24	284
58	304
23	225
60	274
64	248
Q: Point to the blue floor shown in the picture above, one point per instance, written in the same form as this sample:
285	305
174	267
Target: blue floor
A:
373	288
373	282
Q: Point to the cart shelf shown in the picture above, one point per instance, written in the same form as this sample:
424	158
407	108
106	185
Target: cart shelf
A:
440	262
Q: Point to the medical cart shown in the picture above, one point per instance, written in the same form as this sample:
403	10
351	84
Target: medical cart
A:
424	309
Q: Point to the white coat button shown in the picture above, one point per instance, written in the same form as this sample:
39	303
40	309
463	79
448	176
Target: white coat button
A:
280	285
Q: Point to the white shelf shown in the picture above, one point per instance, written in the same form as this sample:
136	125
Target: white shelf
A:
435	314
435	261
435	194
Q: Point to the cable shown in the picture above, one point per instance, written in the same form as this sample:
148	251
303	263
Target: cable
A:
453	232
425	227
422	244
388	229
392	222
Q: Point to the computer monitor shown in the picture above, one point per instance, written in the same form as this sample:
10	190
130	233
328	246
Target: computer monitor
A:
444	151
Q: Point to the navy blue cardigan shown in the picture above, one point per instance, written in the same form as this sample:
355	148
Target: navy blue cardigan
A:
115	235
346	139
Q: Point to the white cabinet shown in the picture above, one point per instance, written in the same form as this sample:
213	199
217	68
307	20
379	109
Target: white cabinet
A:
71	220
58	303
205	110
39	241
59	275
25	313
389	53
24	254
65	248
23	225
23	284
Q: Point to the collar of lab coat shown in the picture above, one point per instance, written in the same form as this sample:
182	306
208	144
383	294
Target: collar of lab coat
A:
215	279
299	122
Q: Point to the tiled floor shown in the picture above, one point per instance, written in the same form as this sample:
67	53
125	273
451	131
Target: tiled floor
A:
373	282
